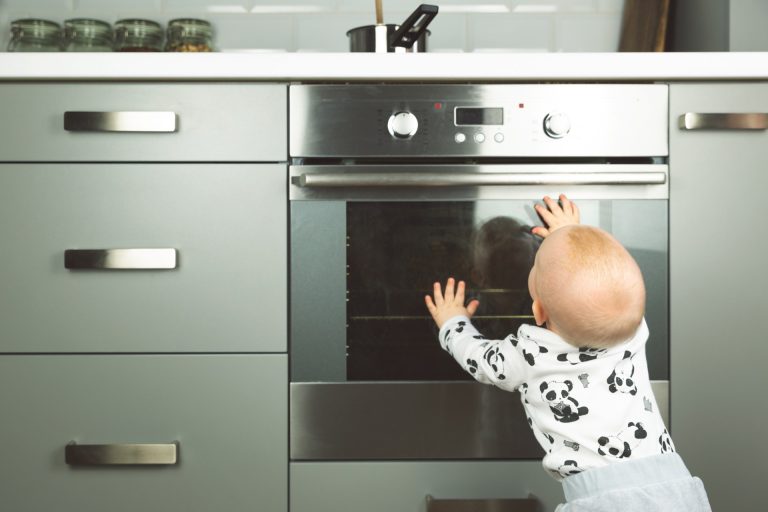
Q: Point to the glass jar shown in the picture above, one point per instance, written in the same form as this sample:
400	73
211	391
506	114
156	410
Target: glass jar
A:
189	35
136	35
35	35
87	35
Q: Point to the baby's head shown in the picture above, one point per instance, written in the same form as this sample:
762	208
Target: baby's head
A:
587	287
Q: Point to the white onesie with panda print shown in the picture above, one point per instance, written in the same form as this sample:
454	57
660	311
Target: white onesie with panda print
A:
587	407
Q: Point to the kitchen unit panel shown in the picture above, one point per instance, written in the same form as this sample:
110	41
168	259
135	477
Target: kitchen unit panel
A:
404	486
225	225
226	415
718	285
143	122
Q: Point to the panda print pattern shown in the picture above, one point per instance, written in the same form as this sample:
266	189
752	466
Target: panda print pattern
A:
529	348
620	445
568	468
582	356
590	406
620	380
495	360
561	403
666	442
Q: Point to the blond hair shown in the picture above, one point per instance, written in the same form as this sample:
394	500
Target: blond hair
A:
590	286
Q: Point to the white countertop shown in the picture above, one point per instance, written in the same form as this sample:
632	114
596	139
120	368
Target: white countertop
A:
283	66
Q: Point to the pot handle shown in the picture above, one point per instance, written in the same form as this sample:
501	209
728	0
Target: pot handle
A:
414	26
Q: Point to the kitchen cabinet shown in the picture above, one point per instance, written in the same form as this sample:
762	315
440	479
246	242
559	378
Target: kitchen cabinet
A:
143	122
225	222
718	283
173	334
403	486
230	437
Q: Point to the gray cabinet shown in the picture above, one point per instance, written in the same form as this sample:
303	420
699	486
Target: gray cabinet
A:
403	486
718	284
226	414
144	122
226	222
143	297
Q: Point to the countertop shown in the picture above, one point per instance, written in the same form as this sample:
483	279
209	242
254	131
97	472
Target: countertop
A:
484	67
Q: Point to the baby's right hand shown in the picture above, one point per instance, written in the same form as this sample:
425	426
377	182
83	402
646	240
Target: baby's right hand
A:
448	305
556	215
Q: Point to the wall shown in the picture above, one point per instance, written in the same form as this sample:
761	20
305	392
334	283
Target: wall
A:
320	25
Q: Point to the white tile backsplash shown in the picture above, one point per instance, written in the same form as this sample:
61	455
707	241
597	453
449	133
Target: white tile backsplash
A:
587	33
528	32
321	25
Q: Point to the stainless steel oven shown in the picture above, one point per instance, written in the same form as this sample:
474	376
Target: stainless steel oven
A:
394	187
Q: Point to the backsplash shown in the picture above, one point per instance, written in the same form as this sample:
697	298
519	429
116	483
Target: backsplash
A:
321	25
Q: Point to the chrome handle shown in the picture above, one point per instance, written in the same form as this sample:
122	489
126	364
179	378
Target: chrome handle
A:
530	504
158	122
731	121
121	454
476	180
120	259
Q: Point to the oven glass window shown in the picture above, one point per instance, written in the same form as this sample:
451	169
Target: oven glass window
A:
360	271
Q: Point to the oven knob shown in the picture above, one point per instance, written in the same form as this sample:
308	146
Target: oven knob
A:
557	125
402	125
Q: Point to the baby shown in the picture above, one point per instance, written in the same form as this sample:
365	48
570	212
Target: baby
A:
583	379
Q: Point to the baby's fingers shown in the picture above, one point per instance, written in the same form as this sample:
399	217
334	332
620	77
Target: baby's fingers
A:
437	291
430	305
449	290
459	298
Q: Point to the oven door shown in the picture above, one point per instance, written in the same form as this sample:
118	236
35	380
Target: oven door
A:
369	380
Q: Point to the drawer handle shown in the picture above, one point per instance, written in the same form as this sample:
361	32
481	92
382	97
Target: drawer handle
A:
530	504
120	259
156	122
732	121
121	454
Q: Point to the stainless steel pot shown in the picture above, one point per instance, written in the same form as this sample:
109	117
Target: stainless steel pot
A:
409	37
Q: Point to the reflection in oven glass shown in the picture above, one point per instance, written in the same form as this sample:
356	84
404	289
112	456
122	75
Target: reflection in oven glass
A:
396	251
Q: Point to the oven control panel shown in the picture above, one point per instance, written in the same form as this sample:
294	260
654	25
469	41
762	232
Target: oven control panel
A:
493	120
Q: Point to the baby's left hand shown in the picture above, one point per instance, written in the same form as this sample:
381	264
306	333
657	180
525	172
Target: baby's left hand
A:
447	306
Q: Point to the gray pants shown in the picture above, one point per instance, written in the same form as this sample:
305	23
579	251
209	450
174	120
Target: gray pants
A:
659	483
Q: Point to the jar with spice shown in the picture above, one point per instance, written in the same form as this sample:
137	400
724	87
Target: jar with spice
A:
189	35
87	35
137	35
35	35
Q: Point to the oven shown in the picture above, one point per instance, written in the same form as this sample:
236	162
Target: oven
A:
394	187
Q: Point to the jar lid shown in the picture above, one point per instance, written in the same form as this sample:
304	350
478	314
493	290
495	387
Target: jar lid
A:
189	27
35	28
138	27
87	28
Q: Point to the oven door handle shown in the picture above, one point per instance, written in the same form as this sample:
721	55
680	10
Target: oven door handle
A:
384	179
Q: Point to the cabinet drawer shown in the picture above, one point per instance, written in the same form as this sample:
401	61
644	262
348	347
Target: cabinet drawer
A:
227	414
404	486
143	122
226	223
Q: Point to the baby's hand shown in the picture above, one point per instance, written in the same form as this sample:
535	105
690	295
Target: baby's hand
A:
556	215
447	306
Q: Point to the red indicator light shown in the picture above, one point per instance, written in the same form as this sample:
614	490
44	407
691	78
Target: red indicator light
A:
438	106
521	105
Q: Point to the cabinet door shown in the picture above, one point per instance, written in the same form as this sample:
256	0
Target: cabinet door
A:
404	486
225	414
143	122
718	283
226	224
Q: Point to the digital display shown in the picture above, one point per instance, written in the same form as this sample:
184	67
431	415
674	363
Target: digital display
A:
466	116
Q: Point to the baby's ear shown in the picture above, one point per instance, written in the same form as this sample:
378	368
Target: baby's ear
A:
539	313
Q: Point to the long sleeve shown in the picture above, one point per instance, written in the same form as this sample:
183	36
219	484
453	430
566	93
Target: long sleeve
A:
494	362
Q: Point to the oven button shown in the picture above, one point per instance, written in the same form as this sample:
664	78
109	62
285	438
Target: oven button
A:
479	137
459	137
499	137
557	125
402	125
